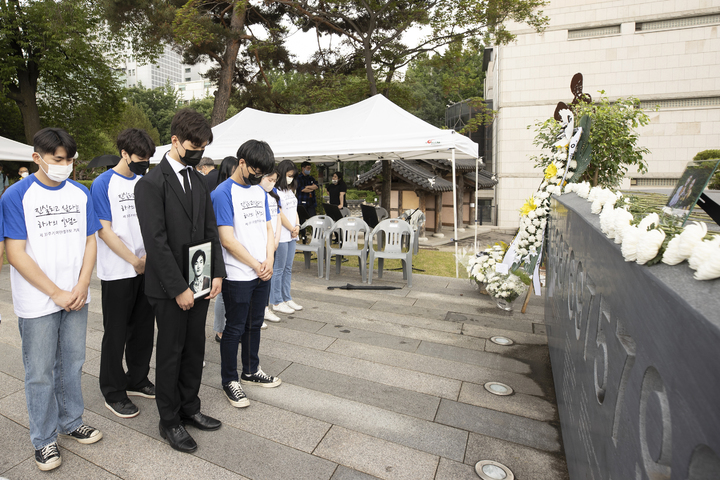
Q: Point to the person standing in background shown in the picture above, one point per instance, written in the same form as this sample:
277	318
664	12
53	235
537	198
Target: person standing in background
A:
306	186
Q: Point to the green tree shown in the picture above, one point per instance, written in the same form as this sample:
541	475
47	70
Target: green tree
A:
613	139
710	155
54	64
158	104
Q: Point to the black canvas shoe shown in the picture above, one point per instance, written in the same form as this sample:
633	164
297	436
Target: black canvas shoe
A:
124	408
48	457
235	395
147	391
260	378
85	434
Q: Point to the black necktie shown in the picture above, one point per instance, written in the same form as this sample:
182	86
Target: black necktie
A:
186	184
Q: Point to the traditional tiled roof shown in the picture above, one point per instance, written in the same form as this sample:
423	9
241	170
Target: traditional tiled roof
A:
461	164
485	179
409	171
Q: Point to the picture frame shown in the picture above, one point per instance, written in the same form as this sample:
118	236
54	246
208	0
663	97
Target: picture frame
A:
197	265
690	186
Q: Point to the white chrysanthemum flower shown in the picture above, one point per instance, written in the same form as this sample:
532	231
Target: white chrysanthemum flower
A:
573	164
672	252
607	221
622	219
540	211
629	244
533	249
710	262
531	214
583	189
649	219
648	245
690	237
596	206
702	252
594	192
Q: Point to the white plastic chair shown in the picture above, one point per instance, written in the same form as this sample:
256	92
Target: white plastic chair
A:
390	245
320	224
348	229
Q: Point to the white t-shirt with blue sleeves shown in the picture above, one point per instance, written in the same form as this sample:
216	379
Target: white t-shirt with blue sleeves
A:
245	208
55	223
289	204
274	208
113	197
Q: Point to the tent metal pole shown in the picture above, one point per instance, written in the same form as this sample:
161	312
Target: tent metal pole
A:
477	169
455	230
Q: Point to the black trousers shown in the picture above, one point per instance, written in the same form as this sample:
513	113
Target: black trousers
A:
129	330
180	350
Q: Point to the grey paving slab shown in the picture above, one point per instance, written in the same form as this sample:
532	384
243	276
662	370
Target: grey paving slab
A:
482	308
525	463
513	428
371	393
409	431
256	457
9	385
451	296
14	407
16	446
270	365
359	335
73	467
520	404
369	370
437	366
95	320
132	455
11	361
376	457
344	473
294	322
473	357
491	321
451	470
480	331
320	292
429	311
295	337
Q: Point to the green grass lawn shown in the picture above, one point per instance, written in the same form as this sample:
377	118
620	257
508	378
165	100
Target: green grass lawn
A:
433	262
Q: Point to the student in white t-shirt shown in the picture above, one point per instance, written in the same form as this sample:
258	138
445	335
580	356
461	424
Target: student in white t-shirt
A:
128	318
246	235
49	229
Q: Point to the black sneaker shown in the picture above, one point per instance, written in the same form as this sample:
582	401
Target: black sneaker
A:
147	391
260	378
124	408
48	457
85	434
235	395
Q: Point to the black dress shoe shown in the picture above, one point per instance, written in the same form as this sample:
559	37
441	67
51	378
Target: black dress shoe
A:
178	438
202	422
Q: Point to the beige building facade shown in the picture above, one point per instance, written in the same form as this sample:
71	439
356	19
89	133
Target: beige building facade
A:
664	52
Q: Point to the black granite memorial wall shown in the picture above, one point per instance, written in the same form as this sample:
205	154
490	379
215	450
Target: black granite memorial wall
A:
635	354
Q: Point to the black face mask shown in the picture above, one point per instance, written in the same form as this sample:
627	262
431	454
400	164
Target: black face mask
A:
192	157
139	168
253	180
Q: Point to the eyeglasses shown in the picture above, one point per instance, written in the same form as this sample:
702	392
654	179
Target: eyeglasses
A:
253	173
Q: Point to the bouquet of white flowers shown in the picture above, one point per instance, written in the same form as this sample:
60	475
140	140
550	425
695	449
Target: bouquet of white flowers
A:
483	263
505	287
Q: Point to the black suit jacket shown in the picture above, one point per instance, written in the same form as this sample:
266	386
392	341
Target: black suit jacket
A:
167	224
211	179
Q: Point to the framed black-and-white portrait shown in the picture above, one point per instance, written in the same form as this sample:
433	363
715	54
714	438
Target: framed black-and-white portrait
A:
690	186
198	267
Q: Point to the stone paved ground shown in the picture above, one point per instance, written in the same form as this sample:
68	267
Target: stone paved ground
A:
376	384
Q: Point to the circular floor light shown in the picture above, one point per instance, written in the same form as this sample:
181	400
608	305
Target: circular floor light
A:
489	470
504	341
497	388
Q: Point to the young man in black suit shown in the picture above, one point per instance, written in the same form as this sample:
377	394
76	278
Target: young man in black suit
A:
174	209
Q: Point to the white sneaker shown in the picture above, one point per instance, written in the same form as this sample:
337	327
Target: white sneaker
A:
264	326
283	308
271	317
293	305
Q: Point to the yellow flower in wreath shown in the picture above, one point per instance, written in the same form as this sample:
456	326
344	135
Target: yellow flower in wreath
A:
528	207
550	171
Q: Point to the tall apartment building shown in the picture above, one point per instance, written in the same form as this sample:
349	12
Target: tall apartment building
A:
664	52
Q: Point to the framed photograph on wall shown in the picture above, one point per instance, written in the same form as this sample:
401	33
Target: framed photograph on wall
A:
198	267
690	186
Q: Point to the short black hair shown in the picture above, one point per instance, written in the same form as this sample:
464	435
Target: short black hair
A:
206	161
305	164
187	124
227	167
49	139
285	167
339	175
257	154
198	254
136	142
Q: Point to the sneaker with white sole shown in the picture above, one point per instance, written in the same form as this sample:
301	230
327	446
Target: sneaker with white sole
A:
235	395
124	408
270	316
48	457
283	308
85	434
261	379
263	326
148	391
293	305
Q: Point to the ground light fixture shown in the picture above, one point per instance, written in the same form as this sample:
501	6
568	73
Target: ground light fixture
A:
497	388
489	470
504	341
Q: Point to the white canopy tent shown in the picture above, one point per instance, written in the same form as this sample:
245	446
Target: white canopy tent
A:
15	151
374	129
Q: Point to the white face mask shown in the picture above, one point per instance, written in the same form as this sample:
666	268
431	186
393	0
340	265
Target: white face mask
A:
289	180
334	181
58	173
267	184
24	174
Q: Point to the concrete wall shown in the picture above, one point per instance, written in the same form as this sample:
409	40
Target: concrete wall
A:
526	79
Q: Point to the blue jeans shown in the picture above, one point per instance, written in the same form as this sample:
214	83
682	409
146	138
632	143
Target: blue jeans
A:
282	273
53	349
219	324
245	303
